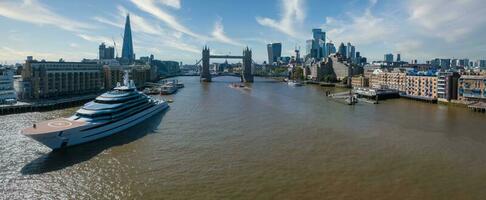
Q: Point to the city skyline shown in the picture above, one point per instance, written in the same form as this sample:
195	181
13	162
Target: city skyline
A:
177	30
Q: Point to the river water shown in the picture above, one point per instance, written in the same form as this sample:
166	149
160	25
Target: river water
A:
268	142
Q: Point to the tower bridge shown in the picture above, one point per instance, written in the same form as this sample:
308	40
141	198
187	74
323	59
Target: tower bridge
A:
246	74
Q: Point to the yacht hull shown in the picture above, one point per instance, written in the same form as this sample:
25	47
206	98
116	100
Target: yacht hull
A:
90	132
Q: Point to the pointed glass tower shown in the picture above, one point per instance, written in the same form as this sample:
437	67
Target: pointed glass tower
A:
127	50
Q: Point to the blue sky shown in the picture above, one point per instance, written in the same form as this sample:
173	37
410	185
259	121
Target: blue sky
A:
178	29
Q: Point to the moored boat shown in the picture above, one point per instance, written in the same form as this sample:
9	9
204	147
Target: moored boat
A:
167	89
294	83
108	114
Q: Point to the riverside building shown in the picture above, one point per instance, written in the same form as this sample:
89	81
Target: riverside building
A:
472	89
421	87
58	79
447	86
383	79
7	92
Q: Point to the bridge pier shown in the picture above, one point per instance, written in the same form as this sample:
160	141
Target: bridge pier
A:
205	75
246	74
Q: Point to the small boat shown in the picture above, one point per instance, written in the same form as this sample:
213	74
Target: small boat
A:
236	85
179	85
351	100
294	83
167	89
176	84
151	91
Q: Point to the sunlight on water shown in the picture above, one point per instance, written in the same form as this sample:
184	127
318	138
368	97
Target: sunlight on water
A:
270	141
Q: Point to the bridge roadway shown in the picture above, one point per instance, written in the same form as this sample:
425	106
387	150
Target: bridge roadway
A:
226	56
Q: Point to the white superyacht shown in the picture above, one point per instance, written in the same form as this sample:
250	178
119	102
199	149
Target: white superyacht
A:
109	113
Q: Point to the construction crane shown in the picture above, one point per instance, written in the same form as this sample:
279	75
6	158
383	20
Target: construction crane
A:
114	44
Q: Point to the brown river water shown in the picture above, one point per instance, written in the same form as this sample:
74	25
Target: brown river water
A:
268	142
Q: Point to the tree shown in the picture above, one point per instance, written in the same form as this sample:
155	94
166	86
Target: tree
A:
298	73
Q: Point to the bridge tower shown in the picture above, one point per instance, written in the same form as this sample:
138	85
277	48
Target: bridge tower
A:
205	75
247	75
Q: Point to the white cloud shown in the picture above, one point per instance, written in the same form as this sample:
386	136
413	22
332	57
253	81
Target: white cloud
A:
292	16
149	33
73	45
34	12
103	20
150	6
9	54
219	35
96	39
172	3
450	20
364	29
139	24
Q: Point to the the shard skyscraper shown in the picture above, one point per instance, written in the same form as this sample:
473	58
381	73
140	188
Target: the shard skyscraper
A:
127	50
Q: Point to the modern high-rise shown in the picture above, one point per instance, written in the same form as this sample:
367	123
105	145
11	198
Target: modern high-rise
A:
106	53
274	52
316	48
399	58
342	50
482	64
350	51
389	58
127	50
330	49
318	34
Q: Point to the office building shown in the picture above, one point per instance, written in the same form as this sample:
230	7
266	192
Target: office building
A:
57	79
106	53
7	92
443	63
330	49
342	50
316	48
350	51
318	34
127	51
388	58
481	64
464	62
274	52
399	58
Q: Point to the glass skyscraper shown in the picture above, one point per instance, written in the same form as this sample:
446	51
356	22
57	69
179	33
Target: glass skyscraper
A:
316	48
127	50
274	52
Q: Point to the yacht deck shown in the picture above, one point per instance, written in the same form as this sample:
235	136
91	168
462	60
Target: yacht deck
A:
52	126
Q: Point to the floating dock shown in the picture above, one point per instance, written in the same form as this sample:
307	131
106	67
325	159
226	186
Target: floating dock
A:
478	107
45	105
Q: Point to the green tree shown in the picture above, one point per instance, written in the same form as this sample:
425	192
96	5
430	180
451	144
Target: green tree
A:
298	74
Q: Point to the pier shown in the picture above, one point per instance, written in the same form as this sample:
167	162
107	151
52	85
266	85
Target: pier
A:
478	107
45	105
376	94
